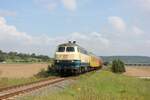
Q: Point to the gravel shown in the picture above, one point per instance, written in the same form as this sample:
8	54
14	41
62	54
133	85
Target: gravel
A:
58	87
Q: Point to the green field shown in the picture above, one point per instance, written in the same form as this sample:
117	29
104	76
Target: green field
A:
102	85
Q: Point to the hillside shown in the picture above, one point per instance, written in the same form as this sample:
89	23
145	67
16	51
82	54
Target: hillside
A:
128	59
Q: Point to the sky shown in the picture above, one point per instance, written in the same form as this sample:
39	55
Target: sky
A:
104	27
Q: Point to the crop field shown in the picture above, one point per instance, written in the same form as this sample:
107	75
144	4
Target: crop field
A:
20	70
138	71
15	74
103	85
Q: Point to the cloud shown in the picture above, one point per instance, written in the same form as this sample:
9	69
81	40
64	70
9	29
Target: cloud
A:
148	43
143	4
137	30
130	42
126	39
51	5
94	41
10	30
117	23
120	26
12	39
70	4
94	36
7	13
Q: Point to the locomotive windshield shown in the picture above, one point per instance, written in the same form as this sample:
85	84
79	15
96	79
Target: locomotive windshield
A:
61	49
70	49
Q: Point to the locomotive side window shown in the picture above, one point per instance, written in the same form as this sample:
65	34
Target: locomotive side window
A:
70	49
82	51
61	49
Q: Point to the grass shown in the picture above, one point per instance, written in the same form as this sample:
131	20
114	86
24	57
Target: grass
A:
102	85
5	82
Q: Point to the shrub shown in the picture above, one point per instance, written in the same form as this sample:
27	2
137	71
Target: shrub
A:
52	71
106	63
46	73
118	66
43	73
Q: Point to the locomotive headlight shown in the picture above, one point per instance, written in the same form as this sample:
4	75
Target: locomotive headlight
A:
57	61
72	60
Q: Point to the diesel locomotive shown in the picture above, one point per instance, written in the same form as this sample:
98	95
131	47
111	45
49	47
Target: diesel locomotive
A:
72	58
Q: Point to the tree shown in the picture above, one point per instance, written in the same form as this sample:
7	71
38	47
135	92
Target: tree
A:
1	52
118	66
33	55
2	58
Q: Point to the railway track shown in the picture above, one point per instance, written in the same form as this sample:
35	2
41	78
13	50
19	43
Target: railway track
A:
9	92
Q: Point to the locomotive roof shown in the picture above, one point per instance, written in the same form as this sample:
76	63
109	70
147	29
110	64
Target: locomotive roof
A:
69	44
74	44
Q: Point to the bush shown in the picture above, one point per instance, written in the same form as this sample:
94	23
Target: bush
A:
118	66
46	73
43	73
106	63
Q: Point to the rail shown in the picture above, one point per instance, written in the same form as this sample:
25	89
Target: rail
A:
8	92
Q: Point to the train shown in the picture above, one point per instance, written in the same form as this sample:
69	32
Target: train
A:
72	58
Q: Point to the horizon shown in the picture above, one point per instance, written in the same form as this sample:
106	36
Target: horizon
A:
96	55
110	27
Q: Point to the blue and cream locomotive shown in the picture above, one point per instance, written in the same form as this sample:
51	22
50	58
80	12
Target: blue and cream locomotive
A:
70	57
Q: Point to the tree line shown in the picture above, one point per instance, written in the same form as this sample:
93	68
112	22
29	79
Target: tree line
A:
22	57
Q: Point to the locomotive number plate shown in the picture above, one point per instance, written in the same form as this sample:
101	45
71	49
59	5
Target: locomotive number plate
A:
65	56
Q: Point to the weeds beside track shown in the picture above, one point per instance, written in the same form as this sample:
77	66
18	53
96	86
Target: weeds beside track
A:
8	92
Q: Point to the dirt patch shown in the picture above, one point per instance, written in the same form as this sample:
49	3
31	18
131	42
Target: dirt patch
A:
138	71
20	70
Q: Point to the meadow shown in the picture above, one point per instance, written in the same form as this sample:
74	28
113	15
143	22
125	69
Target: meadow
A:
101	85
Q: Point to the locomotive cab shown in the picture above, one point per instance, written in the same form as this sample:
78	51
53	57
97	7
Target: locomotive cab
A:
72	58
67	58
